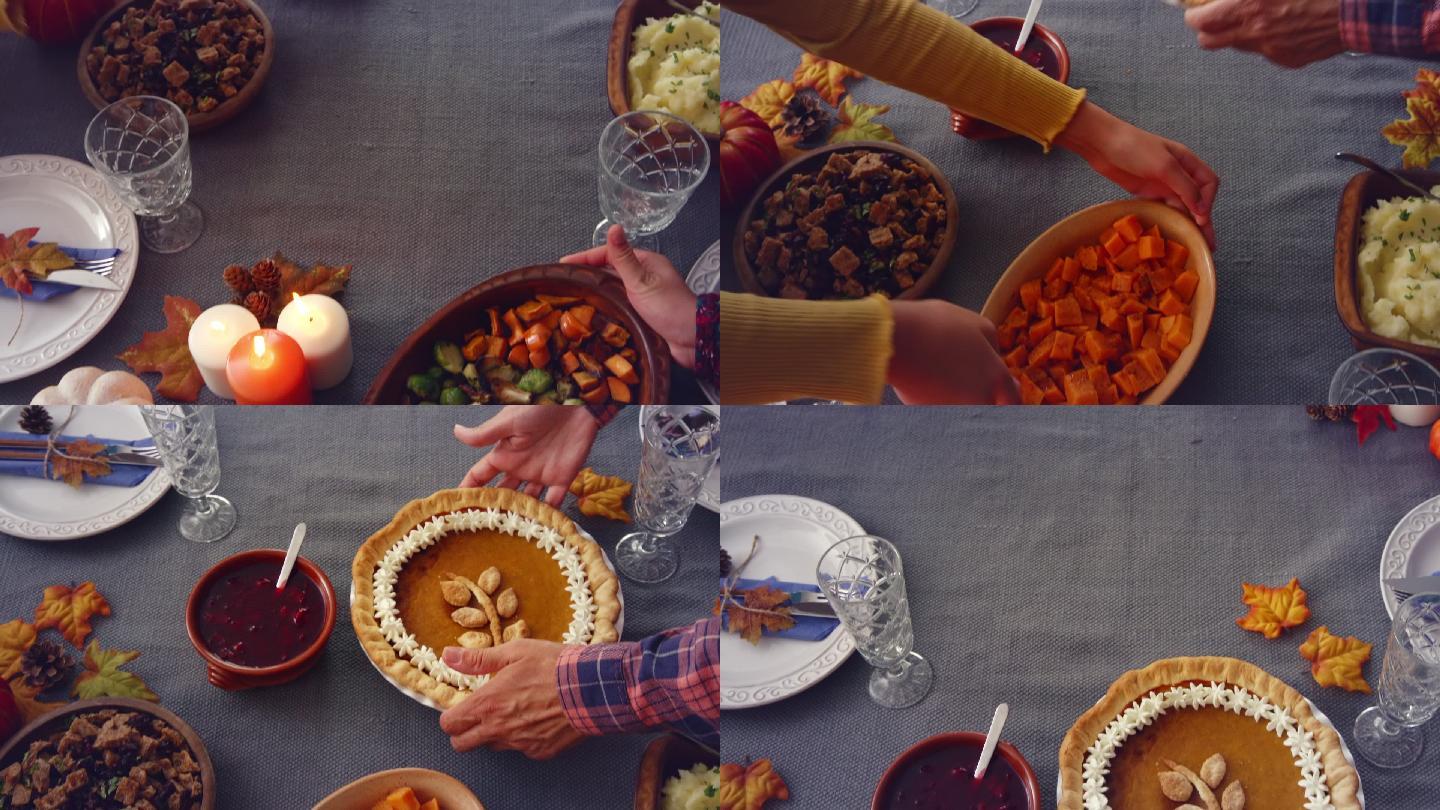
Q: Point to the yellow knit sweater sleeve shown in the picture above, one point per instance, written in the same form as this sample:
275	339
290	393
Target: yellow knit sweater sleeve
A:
920	49
774	349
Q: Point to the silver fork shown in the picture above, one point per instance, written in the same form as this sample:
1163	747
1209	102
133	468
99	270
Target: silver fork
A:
100	267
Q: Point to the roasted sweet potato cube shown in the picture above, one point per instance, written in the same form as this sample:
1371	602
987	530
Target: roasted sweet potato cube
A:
1168	353
615	334
1045	309
532	311
1129	258
619	391
1030	294
1097	346
621	368
519	356
400	799
1085	298
1056	268
1041	352
1133	306
1114	244
1030	392
1071	271
570	362
1150	360
1017	357
1064	347
1067	311
1186	283
433	804
1150	340
585	380
599	395
1079	389
1122	282
1170	303
1111	317
1176	254
1178	335
1129	227
1161	279
1054	290
1151	247
1089	258
1135	329
1039	330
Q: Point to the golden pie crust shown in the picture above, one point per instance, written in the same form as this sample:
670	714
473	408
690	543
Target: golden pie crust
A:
1339	774
604	587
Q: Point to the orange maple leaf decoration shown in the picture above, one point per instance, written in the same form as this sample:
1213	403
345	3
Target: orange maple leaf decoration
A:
750	787
1272	610
768	101
826	77
70	610
601	495
15	638
761	613
168	352
78	460
19	259
27	700
1427	85
1336	660
1420	133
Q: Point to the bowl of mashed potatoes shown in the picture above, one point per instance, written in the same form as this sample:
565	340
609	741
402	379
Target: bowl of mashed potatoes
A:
677	773
661	59
1387	264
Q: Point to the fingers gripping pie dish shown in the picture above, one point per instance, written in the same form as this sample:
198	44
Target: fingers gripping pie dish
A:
476	568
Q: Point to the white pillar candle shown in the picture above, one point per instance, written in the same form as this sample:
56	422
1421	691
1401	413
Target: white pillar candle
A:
211	337
322	328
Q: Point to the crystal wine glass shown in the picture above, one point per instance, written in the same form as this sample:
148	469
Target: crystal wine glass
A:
185	435
955	8
650	163
681	446
1384	377
141	145
865	583
1388	735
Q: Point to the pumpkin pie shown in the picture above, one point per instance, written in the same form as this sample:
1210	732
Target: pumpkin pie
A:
1204	732
476	568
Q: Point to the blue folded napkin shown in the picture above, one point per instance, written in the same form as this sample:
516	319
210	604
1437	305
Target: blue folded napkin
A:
45	290
121	475
807	628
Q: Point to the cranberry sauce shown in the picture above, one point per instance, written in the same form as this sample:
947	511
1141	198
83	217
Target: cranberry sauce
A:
245	621
944	779
1037	52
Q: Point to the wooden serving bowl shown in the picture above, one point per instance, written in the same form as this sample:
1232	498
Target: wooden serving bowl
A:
961	739
1083	228
199	122
367	791
58	719
978	130
813	160
1363	191
599	289
629	15
664	757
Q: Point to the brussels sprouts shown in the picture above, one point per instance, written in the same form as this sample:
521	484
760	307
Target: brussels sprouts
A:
565	388
536	381
471	375
454	396
510	395
423	386
448	356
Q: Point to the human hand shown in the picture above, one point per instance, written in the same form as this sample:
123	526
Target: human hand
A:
944	354
653	285
1290	33
1143	163
535	446
518	709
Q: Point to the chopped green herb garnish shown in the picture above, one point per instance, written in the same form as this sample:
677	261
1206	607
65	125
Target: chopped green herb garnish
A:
1405	215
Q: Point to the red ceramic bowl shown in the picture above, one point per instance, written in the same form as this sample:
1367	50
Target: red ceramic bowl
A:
234	677
974	128
960	739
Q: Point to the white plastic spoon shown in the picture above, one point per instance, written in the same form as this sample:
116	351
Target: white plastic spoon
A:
992	738
295	540
1028	26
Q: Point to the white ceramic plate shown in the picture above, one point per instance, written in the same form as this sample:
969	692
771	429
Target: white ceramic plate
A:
51	510
794	532
1319	715
704	278
73	205
425	701
710	495
1413	549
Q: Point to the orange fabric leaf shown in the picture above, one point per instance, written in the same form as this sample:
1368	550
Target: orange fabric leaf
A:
750	787
19	260
318	280
1272	610
81	460
769	99
760	613
602	495
1427	85
1419	134
27	699
826	77
70	610
1337	660
15	638
168	352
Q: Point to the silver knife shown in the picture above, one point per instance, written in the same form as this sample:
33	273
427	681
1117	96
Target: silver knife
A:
114	458
82	278
821	609
1413	585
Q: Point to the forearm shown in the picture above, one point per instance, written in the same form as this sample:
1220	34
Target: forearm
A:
920	49
671	679
785	349
1395	27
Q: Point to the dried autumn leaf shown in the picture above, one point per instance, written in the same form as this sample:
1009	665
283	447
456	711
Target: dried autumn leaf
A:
1419	134
857	123
826	77
78	460
761	612
15	638
1427	85
602	495
1368	418
70	610
750	787
168	352
1336	660
1272	610
27	699
19	260
319	280
103	676
769	99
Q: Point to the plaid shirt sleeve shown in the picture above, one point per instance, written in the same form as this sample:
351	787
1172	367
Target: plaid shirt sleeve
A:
707	338
669	680
1395	27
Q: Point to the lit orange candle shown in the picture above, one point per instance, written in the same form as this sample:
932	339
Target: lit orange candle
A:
268	368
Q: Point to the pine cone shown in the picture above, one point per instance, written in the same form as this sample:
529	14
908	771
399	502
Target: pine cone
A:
266	276
724	563
806	118
35	419
1339	413
238	279
45	665
259	304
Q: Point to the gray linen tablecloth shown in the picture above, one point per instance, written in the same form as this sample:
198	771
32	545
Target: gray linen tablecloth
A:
289	746
1045	558
1269	133
432	144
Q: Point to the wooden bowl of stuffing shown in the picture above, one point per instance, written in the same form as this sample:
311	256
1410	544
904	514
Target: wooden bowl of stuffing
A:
209	57
846	221
88	728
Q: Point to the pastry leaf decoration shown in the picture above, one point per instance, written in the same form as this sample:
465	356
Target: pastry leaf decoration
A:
1336	660
857	123
602	495
1273	610
826	77
77	461
103	676
750	786
168	352
70	609
15	638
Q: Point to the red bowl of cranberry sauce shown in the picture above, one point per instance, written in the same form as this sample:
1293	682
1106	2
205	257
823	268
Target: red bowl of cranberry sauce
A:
1044	51
939	774
251	634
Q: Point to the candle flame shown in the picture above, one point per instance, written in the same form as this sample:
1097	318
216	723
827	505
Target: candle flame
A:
257	345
